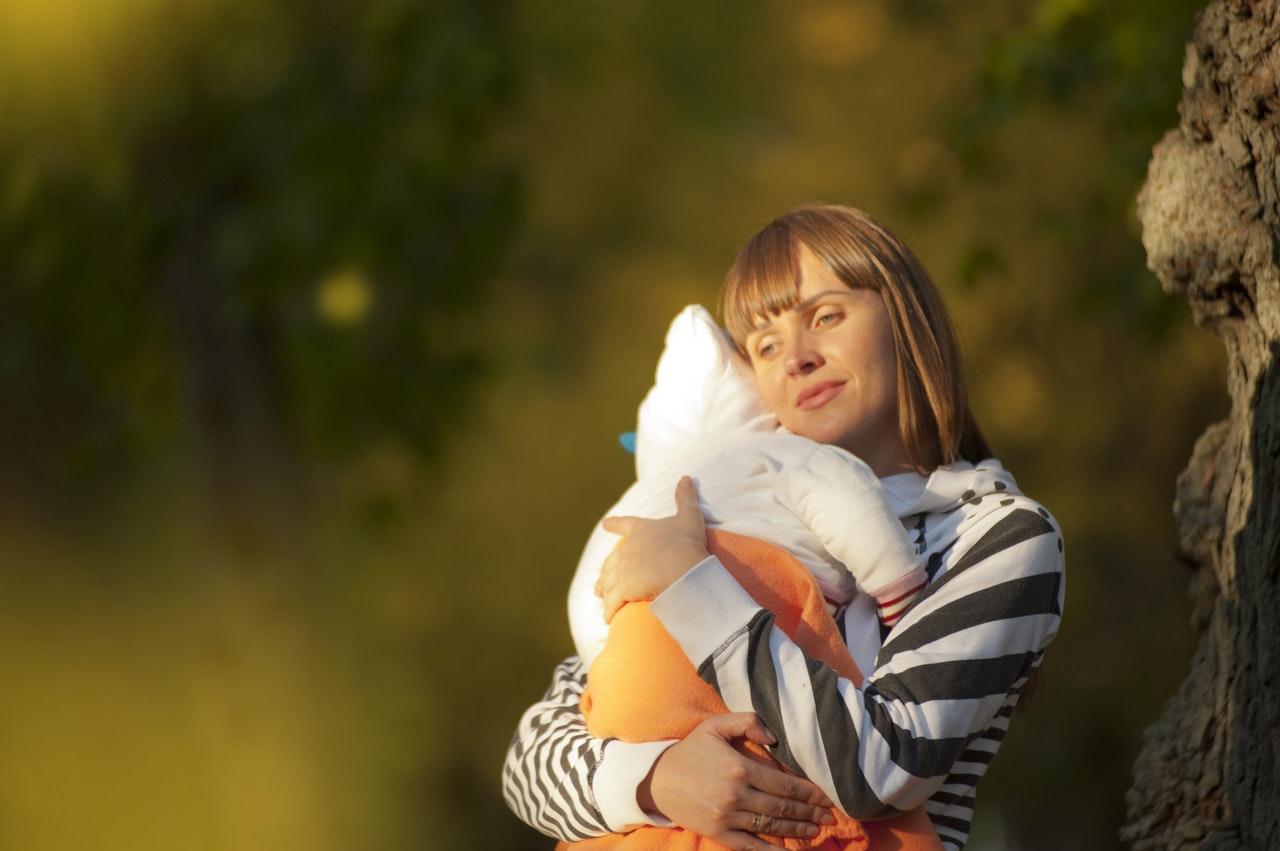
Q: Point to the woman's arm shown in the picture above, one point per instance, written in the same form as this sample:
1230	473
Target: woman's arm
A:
552	760
564	782
948	675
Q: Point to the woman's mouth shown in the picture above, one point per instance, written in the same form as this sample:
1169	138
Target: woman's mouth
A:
817	395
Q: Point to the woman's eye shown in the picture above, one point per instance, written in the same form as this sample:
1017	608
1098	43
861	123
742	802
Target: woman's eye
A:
828	318
765	350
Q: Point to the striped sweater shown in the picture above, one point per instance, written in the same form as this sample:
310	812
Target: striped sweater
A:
924	726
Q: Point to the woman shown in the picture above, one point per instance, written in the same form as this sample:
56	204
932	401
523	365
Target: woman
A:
851	346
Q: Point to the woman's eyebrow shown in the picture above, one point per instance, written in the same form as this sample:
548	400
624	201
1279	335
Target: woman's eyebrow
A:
765	323
801	307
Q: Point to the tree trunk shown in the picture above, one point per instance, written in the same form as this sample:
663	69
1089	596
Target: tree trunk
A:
1208	775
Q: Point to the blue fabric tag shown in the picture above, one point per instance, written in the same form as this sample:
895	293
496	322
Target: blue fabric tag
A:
628	441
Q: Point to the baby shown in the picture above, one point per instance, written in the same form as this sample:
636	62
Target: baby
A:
704	417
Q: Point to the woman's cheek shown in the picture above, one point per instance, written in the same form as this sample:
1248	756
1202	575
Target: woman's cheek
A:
770	391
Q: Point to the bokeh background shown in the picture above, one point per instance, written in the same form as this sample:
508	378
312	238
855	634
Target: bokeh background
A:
319	322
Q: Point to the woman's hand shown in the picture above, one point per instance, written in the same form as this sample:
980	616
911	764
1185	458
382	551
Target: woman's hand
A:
705	785
652	553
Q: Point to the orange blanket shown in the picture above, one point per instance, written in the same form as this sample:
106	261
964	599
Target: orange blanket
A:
643	688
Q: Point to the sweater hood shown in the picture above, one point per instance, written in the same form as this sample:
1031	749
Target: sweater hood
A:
947	487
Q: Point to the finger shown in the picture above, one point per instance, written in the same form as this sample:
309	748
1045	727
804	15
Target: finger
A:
783	816
687	496
773	782
771	826
608	576
604	579
756	731
613	602
740	840
621	525
784	787
734	724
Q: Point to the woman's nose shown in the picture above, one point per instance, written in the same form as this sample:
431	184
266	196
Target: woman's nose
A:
802	357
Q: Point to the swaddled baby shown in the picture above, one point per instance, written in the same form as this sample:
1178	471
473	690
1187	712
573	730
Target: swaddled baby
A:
704	417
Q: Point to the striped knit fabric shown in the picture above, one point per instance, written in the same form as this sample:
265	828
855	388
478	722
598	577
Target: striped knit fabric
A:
893	600
549	768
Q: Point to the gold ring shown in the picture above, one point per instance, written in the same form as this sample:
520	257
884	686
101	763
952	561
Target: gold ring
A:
755	823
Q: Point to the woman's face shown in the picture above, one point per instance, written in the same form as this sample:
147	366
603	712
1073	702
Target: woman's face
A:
828	370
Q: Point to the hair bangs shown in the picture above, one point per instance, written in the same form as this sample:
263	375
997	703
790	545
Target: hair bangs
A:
762	281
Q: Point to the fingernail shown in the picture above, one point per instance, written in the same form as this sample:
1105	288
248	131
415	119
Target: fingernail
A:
810	830
827	818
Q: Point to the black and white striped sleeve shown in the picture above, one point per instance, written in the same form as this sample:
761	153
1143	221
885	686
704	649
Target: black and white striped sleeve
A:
945	679
564	782
552	759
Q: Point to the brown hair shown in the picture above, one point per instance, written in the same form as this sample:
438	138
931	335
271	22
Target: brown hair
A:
934	419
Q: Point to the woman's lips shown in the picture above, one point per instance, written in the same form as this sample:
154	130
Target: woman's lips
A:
817	395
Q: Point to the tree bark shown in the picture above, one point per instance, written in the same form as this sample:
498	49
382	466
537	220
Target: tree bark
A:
1208	775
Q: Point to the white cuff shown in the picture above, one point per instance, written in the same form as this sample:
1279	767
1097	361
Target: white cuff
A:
704	609
623	767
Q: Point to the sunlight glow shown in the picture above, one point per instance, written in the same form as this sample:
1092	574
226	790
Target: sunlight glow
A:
55	39
839	34
344	298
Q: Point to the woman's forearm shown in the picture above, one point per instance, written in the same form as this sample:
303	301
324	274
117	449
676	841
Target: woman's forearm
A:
561	780
547	776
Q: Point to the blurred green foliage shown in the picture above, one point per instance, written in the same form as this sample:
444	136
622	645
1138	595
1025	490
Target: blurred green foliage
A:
1120	63
407	266
299	191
